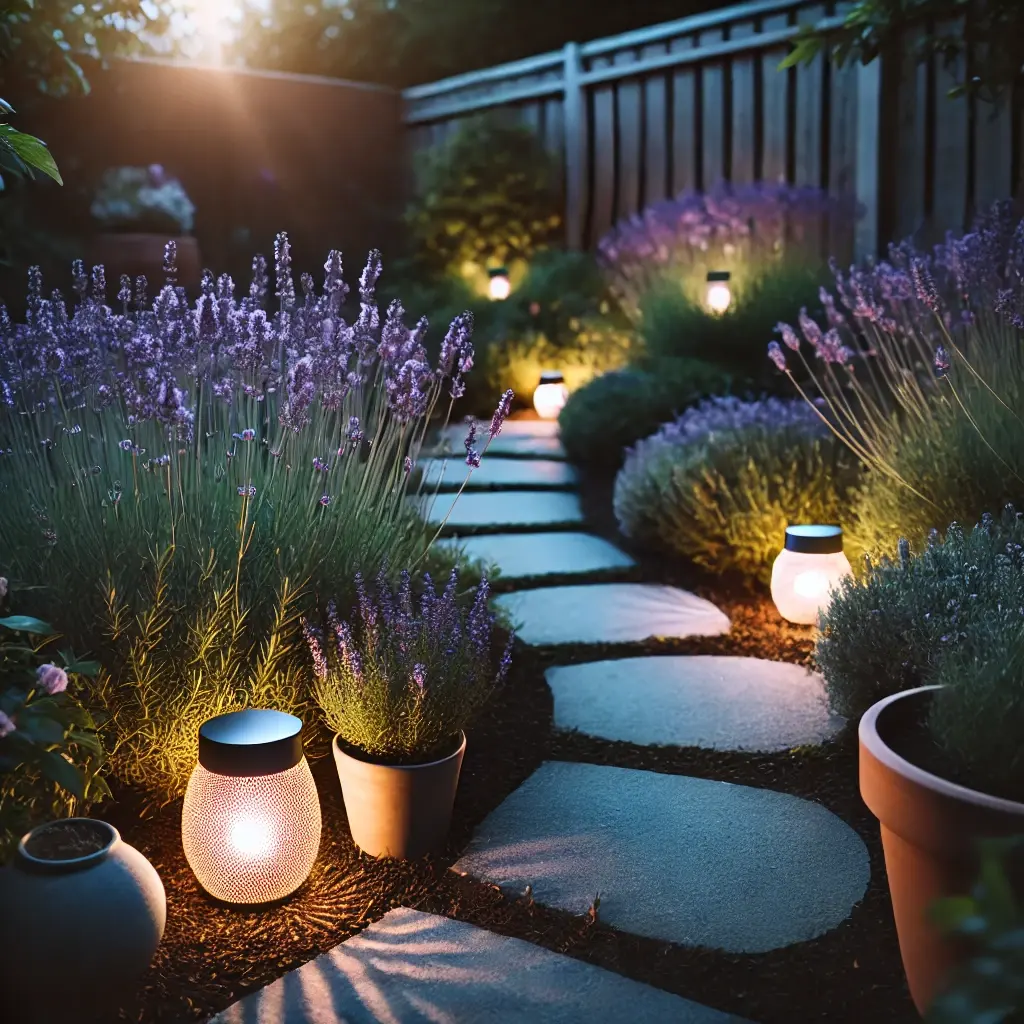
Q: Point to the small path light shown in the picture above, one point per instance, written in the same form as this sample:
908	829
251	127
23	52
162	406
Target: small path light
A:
718	295
250	824
806	570
500	286
550	395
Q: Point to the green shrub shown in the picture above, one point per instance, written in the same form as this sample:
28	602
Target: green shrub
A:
487	196
673	324
404	680
50	751
615	410
952	615
721	484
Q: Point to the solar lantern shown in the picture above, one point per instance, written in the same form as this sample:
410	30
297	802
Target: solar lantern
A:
718	295
500	287
550	395
807	569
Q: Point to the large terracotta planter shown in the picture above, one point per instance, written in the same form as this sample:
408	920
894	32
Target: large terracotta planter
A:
138	254
929	830
78	926
398	810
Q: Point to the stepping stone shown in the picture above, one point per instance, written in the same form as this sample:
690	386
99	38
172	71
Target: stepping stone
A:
607	613
416	968
721	703
674	858
503	508
522	555
498	472
537	438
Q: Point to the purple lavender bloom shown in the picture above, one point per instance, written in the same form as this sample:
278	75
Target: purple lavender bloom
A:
51	679
320	465
313	640
777	356
942	363
472	458
354	432
501	413
407	465
325	500
7	725
419	679
470	440
789	338
247	492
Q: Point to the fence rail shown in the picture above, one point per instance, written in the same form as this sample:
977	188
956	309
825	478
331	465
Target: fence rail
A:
648	114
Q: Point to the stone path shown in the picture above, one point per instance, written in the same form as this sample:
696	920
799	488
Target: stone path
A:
700	701
526	555
610	613
495	472
673	857
415	968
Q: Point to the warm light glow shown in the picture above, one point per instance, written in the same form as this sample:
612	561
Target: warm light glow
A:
252	836
718	297
549	400
801	583
500	287
251	839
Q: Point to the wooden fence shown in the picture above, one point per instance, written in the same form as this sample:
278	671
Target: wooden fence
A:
648	114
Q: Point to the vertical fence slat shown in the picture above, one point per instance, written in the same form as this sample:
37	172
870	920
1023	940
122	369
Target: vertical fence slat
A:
951	134
909	171
775	105
684	123
842	162
809	103
554	129
603	155
993	153
656	183
743	110
713	114
529	115
574	122
869	106
628	114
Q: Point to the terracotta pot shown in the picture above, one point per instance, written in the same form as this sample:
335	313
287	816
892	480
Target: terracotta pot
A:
399	810
135	254
929	829
78	928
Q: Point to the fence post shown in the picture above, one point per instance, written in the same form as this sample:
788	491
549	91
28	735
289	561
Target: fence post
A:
868	169
575	127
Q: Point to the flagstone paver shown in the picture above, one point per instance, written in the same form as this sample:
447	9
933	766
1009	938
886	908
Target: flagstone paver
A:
610	613
525	555
416	968
536	438
674	858
724	703
498	472
500	509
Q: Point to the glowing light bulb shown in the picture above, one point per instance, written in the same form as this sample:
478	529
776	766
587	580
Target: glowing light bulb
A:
550	395
719	298
807	570
252	837
500	287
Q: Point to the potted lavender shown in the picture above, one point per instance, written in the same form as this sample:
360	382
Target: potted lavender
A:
399	687
140	209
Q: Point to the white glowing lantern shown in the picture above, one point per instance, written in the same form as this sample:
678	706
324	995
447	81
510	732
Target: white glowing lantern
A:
250	824
500	286
718	297
807	570
550	395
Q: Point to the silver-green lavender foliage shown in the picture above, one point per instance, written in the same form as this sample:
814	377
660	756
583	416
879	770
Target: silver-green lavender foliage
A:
720	484
952	614
408	675
146	196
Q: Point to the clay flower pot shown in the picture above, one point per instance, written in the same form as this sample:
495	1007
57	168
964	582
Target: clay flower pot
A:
138	253
398	810
83	913
929	828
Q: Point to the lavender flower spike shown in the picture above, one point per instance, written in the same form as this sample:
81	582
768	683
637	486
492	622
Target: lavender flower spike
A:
777	356
501	413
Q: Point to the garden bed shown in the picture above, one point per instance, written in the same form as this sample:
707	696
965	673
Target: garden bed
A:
213	954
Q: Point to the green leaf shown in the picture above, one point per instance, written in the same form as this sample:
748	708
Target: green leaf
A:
63	772
40	727
32	151
84	668
27	624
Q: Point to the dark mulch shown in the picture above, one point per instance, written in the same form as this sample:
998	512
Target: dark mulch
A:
212	954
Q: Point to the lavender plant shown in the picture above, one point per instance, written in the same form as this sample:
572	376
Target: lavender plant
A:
198	473
143	199
921	368
720	484
406	678
742	229
952	614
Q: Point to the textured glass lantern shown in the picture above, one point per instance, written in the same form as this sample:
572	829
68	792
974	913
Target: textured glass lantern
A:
250	824
806	570
550	395
500	287
718	296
